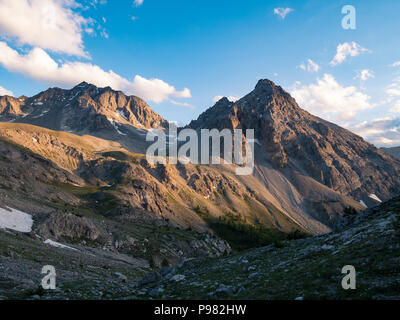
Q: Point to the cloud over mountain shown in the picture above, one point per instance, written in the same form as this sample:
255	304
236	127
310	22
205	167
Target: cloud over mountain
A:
328	97
5	92
382	132
37	64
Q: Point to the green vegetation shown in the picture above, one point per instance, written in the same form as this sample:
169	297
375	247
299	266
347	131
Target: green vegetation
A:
77	190
350	211
396	226
117	155
122	155
242	235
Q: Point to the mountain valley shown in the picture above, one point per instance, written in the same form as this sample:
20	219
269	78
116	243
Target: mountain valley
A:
102	214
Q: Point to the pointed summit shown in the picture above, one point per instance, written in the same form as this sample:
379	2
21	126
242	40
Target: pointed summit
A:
266	87
81	85
265	84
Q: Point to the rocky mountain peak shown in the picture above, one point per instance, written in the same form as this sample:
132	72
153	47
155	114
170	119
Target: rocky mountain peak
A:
82	84
223	101
85	107
291	139
265	84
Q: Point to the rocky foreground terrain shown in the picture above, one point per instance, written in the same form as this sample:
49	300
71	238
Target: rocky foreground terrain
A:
299	269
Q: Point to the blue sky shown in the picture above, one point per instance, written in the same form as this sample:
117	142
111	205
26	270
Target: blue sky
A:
180	55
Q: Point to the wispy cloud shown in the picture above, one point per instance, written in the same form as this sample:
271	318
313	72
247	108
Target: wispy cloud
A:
282	12
346	49
138	3
328	98
364	75
310	66
182	104
37	64
395	64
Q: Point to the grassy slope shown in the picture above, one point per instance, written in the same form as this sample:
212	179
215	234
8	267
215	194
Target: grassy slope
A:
308	268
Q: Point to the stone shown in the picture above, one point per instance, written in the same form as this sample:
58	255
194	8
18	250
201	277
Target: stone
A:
121	276
166	271
154	293
151	277
9	253
178	278
223	290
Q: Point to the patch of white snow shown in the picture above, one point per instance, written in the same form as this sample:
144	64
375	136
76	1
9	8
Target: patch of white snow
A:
15	220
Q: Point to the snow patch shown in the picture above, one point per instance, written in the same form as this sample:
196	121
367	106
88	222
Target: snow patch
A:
58	245
74	96
122	114
15	220
363	204
375	197
114	124
76	185
41	115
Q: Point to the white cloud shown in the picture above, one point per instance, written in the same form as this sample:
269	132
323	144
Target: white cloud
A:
282	12
381	132
346	49
396	64
396	107
49	24
94	3
327	97
37	64
138	3
5	92
394	95
365	74
230	98
310	66
182	104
